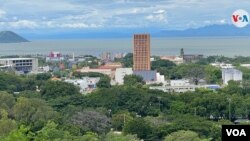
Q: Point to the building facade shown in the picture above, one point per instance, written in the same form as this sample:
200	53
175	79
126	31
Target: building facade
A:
120	74
141	56
23	65
231	74
86	84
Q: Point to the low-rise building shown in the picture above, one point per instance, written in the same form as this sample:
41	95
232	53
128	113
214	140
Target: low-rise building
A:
177	89
182	86
103	71
176	59
111	65
192	57
86	84
120	73
231	74
180	82
21	65
150	77
222	65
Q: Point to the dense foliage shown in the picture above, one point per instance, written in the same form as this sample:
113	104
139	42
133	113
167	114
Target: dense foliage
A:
57	111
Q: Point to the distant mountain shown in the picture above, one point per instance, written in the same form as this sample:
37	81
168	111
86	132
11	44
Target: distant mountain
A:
11	37
213	30
207	31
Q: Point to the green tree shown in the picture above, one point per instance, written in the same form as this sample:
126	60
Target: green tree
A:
139	127
184	136
89	136
162	64
195	73
133	80
89	120
119	137
6	125
54	89
120	119
34	112
50	133
128	60
213	74
104	82
21	134
7	101
43	76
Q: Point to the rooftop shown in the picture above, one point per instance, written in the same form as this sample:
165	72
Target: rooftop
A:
2	59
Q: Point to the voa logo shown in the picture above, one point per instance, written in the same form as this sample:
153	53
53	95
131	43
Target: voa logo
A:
240	18
236	132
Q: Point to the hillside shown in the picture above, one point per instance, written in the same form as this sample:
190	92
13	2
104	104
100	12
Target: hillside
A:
11	37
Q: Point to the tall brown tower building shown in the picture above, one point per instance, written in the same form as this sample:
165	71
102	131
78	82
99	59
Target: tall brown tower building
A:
141	57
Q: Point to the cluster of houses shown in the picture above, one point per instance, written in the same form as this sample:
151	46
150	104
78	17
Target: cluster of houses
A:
117	73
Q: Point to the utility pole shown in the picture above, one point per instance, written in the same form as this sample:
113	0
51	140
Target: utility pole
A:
229	105
159	99
124	119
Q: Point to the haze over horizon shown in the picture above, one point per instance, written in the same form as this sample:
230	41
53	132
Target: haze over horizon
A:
39	19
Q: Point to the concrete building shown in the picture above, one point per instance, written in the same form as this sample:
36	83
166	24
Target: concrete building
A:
106	57
119	55
176	89
231	74
141	56
177	86
160	78
21	65
192	57
148	76
120	74
54	57
222	65
103	71
180	82
176	59
86	84
111	65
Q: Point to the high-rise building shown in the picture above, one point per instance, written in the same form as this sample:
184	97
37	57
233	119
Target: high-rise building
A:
141	56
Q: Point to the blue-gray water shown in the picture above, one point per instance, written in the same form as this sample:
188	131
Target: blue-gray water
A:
227	46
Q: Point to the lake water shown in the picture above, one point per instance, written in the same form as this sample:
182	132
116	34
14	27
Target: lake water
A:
227	46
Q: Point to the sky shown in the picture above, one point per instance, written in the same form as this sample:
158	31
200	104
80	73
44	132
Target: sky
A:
60	16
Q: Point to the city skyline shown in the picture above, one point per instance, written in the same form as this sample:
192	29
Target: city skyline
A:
95	17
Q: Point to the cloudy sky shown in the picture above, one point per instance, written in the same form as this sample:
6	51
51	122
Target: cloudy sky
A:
75	15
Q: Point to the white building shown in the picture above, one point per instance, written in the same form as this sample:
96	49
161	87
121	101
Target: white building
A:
177	86
231	74
44	69
222	65
103	71
120	73
86	84
160	78
22	65
177	89
180	82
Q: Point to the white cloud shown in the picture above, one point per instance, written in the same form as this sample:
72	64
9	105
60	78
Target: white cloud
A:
77	25
157	18
160	11
23	24
75	14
